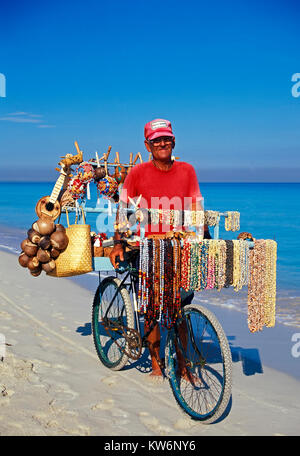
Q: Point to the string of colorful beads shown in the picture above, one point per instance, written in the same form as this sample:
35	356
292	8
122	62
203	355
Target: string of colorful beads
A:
256	295
232	221
174	218
270	290
159	280
221	275
262	285
212	218
165	266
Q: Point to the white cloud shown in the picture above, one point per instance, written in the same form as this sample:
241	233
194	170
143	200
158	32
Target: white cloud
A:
19	119
25	117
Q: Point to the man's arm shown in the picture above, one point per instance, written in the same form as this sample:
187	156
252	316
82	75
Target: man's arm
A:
118	249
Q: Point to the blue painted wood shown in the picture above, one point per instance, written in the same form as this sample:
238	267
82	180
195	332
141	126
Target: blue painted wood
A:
216	232
102	264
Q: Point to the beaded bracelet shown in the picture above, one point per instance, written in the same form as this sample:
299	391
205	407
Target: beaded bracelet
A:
211	218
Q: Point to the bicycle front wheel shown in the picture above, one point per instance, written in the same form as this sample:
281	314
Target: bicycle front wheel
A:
199	364
112	312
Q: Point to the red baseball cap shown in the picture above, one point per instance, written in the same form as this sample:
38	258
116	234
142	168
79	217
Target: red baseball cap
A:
157	128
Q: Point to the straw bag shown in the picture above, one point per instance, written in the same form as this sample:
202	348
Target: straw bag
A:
77	258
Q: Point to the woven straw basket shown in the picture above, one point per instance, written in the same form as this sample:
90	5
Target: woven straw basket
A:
77	258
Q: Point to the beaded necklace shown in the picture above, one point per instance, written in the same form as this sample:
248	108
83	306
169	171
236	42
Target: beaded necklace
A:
194	266
168	304
256	288
185	265
161	275
221	275
164	267
229	263
211	218
270	288
236	274
203	264
211	264
232	221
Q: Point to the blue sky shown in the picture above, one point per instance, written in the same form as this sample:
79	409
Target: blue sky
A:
96	72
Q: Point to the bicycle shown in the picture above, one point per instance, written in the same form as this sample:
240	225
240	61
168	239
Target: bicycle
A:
205	390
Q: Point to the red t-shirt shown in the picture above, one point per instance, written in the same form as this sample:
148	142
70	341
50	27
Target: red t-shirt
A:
174	189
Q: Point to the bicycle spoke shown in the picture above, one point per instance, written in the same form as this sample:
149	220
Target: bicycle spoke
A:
200	390
112	314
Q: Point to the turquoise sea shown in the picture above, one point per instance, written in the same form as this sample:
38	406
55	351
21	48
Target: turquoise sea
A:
269	211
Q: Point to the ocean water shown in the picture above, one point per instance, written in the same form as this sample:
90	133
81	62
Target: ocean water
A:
268	211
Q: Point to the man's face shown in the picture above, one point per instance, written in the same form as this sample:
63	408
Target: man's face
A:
161	148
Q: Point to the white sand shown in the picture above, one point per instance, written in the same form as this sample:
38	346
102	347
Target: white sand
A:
52	383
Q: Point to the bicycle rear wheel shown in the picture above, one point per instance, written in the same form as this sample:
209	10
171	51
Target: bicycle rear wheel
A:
111	312
202	383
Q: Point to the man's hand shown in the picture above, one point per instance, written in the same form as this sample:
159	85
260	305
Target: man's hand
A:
117	251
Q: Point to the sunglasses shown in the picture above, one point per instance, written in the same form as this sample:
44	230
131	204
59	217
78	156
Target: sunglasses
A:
157	141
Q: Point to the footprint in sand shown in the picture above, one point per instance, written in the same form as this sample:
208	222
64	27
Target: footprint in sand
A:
110	381
120	416
107	404
117	412
26	306
62	391
183	424
61	366
153	424
65	329
6	392
37	334
40	367
5	395
58	315
5	315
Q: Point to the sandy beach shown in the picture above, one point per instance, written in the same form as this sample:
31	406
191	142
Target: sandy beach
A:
52	382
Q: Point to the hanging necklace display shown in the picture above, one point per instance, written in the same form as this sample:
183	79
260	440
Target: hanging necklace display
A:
211	218
256	295
270	288
159	280
262	285
232	221
221	272
168	264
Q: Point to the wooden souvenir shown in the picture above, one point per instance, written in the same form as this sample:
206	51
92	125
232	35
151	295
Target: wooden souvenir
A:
49	205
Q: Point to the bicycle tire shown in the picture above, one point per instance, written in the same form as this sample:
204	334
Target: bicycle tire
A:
110	345
205	392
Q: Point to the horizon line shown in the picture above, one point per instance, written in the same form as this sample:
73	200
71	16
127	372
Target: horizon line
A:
201	182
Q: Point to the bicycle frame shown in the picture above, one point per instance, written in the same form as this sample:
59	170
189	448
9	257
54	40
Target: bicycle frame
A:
133	275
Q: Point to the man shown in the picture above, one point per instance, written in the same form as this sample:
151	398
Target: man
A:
161	183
